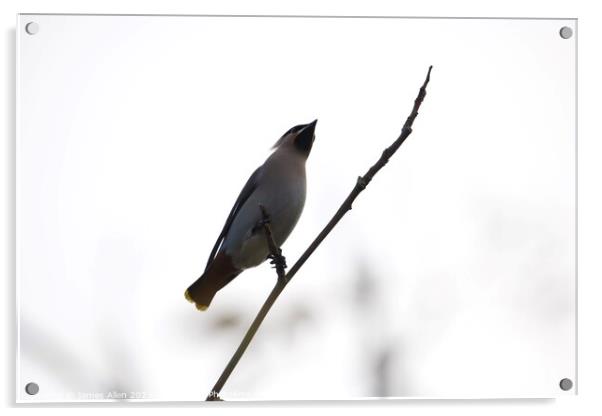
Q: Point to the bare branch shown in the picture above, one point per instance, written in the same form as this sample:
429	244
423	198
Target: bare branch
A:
361	184
280	265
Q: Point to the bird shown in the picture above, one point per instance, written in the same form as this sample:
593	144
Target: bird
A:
279	186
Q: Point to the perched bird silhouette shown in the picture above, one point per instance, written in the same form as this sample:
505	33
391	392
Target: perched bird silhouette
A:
279	186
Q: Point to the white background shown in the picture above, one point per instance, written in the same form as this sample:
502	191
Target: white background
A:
456	267
589	342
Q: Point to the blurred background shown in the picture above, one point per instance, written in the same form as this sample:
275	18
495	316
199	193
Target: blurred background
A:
453	276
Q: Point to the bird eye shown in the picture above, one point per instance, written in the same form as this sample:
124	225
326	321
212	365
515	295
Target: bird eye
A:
297	129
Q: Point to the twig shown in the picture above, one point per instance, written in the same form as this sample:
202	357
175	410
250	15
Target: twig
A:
280	265
361	184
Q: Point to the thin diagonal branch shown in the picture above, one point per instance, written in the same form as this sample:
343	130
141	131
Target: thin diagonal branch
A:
361	184
280	265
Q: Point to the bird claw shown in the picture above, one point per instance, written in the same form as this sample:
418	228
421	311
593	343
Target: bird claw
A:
278	260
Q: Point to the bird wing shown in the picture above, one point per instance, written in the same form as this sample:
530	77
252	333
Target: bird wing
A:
247	190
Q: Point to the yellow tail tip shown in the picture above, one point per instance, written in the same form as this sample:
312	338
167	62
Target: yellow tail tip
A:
189	299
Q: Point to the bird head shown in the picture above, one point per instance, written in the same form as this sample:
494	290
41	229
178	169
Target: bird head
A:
301	138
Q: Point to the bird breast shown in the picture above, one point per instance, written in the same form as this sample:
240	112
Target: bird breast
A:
282	192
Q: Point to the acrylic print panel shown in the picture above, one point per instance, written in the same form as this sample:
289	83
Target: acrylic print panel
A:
453	276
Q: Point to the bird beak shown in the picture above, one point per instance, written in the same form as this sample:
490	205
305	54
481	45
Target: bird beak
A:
305	137
309	129
312	125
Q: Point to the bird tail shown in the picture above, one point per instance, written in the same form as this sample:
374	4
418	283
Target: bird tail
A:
219	273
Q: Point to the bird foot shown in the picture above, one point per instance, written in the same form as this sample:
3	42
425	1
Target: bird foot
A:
278	260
